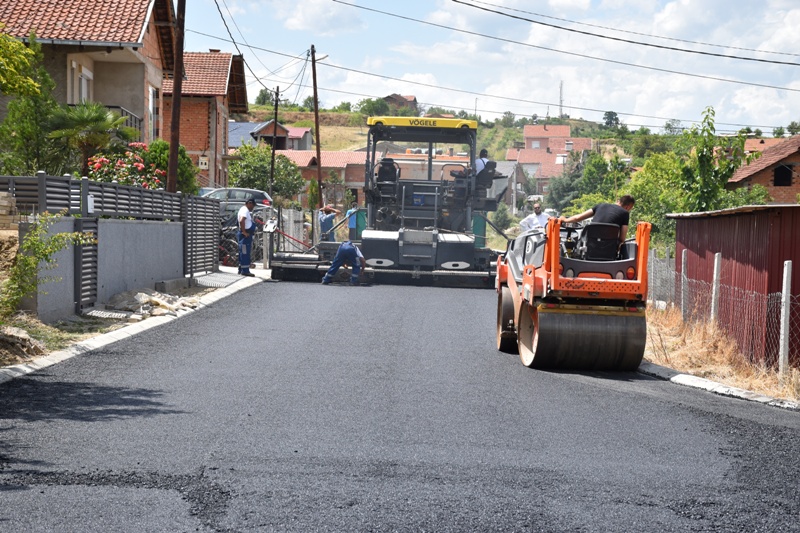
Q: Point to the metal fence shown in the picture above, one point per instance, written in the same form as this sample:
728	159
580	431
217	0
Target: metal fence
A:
89	200
752	319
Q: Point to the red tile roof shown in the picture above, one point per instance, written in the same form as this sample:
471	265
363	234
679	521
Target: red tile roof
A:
759	145
207	74
112	22
769	157
330	159
545	130
297	133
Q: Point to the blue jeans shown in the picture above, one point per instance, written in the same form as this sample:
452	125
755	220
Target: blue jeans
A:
245	249
345	254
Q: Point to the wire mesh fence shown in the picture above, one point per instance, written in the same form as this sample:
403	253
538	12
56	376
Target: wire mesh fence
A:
751	319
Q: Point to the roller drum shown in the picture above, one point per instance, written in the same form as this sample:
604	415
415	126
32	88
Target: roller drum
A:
581	341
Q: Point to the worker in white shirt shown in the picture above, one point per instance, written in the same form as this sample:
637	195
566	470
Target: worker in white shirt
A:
537	219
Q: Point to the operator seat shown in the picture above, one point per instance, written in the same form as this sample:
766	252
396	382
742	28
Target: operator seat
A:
599	242
485	177
387	170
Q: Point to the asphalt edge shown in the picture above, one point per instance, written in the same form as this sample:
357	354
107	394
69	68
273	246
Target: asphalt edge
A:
687	380
11	372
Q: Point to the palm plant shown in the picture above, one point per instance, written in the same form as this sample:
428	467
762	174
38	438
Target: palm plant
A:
90	127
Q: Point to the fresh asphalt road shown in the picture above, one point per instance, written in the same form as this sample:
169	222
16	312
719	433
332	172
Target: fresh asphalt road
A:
298	407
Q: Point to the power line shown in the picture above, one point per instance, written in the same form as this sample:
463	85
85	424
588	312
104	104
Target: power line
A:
636	32
474	93
628	41
510	41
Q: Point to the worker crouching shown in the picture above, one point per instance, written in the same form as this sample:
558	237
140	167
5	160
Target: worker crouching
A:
348	253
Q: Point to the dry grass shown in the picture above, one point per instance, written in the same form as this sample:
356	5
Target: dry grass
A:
702	350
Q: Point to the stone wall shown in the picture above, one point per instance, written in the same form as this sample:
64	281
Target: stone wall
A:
8	208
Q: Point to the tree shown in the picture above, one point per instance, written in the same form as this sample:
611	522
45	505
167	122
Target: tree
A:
343	107
673	127
657	190
708	162
508	120
265	96
252	171
373	107
157	154
646	145
778	132
308	103
793	128
15	61
89	127
502	217
564	189
25	145
610	119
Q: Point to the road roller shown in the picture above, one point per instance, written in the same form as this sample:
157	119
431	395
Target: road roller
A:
573	298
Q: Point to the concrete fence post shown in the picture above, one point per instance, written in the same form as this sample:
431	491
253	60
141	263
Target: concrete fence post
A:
684	285
715	287
786	300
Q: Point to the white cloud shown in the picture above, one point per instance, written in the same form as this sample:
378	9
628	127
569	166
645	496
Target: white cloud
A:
322	17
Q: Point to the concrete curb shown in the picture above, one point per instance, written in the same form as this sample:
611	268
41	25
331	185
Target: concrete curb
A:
10	372
688	380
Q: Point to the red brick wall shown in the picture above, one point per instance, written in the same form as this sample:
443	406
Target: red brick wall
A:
781	195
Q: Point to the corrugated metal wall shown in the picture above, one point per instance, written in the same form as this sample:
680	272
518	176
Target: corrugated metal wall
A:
754	244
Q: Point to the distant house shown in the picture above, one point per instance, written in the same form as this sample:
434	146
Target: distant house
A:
347	166
213	87
776	169
546	150
117	54
400	101
286	138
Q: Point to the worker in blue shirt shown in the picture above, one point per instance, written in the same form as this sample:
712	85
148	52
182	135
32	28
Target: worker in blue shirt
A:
348	253
352	220
326	217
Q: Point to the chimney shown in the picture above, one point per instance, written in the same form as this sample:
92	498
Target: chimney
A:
214	50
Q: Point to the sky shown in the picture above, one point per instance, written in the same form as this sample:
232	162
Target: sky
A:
648	61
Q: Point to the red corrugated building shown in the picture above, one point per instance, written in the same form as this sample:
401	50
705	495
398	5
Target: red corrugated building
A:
754	242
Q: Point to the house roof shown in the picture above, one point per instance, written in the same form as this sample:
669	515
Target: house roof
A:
297	133
121	23
770	156
212	74
759	145
545	130
330	159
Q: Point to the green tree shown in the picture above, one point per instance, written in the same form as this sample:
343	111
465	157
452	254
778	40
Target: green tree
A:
25	147
778	132
157	154
308	104
253	172
373	107
564	189
673	127
15	64
508	120
265	96
647	145
793	128
89	127
502	217
708	162
657	190
343	107
610	119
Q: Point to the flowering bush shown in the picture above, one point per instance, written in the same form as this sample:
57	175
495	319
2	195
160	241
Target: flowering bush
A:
127	169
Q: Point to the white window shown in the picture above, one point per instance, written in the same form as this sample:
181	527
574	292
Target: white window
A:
569	146
85	78
561	159
534	144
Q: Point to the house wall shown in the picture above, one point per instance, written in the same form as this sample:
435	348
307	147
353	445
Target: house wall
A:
120	84
780	195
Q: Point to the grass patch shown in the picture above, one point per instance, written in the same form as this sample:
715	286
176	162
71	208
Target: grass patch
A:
701	349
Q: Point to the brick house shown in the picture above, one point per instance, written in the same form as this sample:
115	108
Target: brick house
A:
213	87
117	54
347	166
546	149
776	170
400	101
287	137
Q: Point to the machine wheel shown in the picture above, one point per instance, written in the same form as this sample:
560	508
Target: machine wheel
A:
528	334
506	334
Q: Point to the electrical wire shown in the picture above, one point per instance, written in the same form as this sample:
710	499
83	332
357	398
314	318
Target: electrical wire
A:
474	93
575	54
630	31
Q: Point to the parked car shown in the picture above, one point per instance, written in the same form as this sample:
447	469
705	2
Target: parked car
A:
231	199
205	190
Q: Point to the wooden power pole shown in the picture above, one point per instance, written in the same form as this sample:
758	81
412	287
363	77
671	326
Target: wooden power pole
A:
316	124
177	87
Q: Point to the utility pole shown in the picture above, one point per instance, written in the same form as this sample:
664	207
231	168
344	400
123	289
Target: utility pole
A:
177	87
316	124
561	100
274	135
